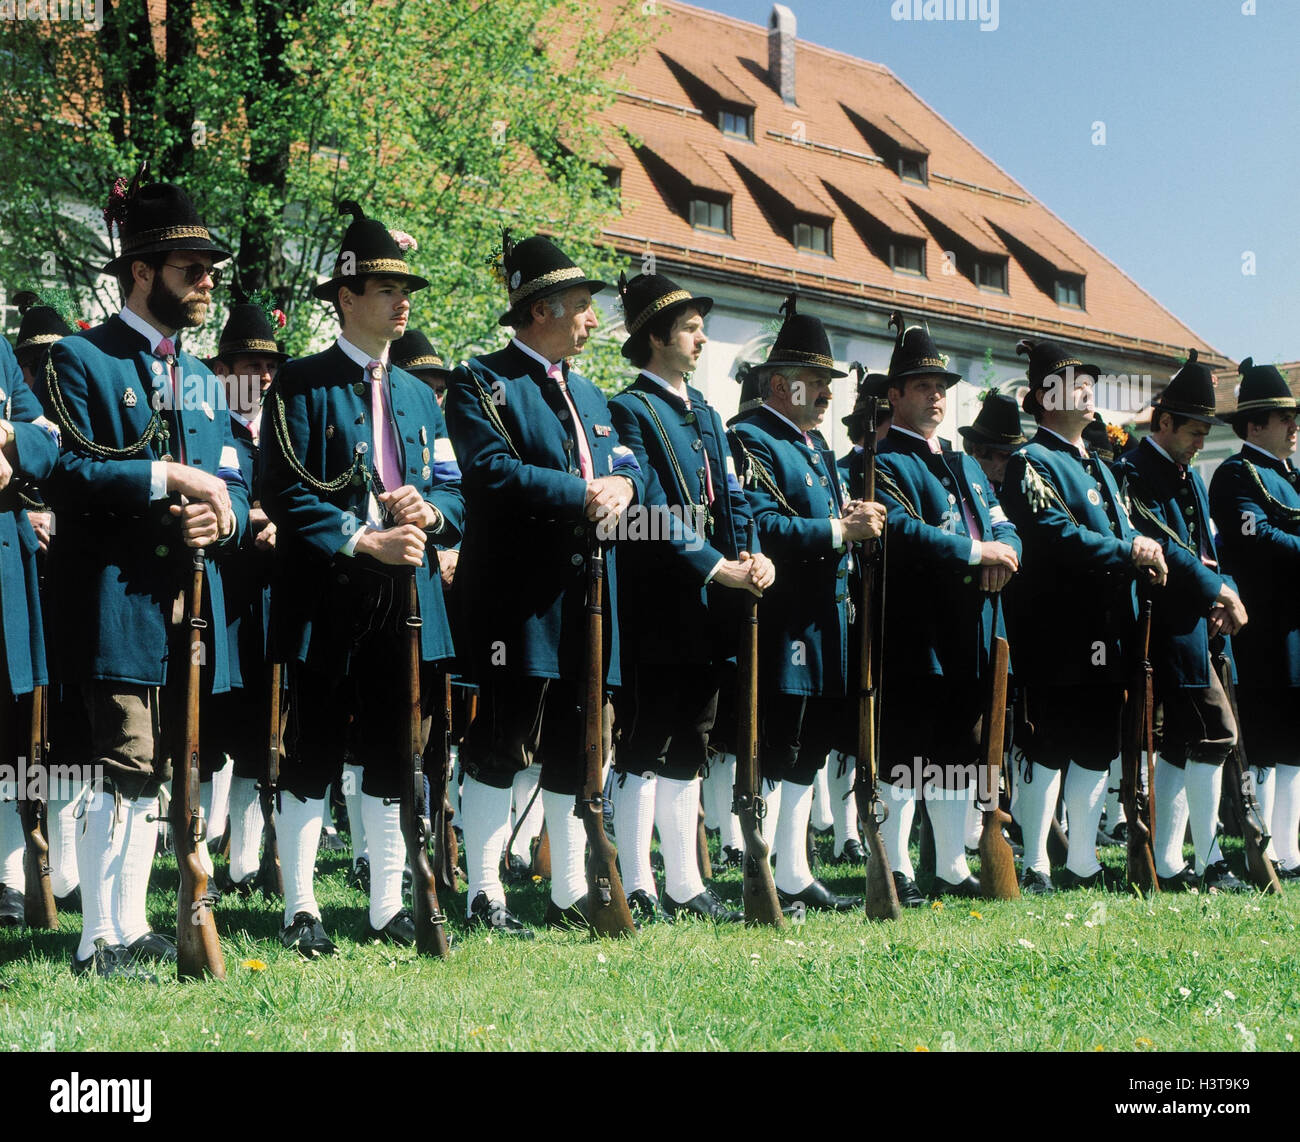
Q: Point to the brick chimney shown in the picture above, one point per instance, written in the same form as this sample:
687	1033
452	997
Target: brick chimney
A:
780	51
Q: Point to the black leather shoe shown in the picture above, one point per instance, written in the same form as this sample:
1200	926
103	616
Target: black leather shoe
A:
1181	881
72	902
400	930
820	899
111	961
307	934
706	905
359	876
570	919
330	841
732	857
152	946
1070	879
1218	878
909	896
1035	883
515	870
1286	873
496	918
228	886
853	853
11	907
968	888
646	909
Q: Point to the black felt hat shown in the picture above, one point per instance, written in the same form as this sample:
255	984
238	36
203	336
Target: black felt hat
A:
870	385
250	329
996	425
1190	392
369	249
915	354
750	400
646	297
414	352
1262	389
533	269
802	342
41	324
1048	359
154	218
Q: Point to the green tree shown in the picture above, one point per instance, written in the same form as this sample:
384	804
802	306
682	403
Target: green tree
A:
445	118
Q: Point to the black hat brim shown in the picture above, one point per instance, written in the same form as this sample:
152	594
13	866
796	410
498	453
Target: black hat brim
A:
834	374
226	352
189	245
641	338
1205	418
328	291
907	374
516	311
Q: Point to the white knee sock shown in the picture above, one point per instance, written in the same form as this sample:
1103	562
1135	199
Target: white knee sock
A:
634	826
1171	818
896	830
1084	790
132	888
772	794
217	814
12	844
1265	786
947	808
974	822
1114	808
525	786
1286	815
63	826
453	783
245	827
720	787
708	798
791	843
485	823
677	812
387	851
297	833
100	842
1037	806
822	816
844	806
568	849
356	817
1204	784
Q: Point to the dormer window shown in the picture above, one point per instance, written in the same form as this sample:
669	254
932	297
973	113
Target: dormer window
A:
1069	292
907	257
812	237
914	168
736	124
711	214
991	274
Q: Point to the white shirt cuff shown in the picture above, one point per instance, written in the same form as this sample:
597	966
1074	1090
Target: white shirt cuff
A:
350	547
158	480
976	553
837	535
716	568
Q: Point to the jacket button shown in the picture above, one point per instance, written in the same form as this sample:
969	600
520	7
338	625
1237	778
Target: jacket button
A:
966	579
841	597
162	551
579	531
696	445
840	573
575	559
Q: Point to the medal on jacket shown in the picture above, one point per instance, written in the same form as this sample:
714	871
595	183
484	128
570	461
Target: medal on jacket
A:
1094	497
129	397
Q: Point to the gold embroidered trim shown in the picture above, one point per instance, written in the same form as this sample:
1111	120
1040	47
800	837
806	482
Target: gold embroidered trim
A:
530	288
253	345
163	234
1267	404
818	360
40	339
425	362
657	306
383	266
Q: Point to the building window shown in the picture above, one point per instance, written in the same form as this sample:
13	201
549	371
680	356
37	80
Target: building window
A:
736	124
1069	292
912	168
711	215
907	257
613	180
991	275
813	237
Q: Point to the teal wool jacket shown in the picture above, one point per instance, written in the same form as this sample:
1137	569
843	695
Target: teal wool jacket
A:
118	562
521	578
794	491
38	450
318	448
1255	502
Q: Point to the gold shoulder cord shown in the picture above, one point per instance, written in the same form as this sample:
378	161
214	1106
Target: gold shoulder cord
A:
327	487
1147	514
490	411
663	437
885	484
764	477
1291	515
155	429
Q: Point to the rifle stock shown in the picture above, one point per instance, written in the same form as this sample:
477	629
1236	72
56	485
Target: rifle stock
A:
198	950
882	895
758	888
268	871
997	862
607	910
39	909
1138	806
430	922
446	853
1241	789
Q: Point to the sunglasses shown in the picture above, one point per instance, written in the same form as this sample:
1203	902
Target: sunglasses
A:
195	272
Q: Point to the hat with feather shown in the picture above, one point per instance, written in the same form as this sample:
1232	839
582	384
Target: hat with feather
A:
369	249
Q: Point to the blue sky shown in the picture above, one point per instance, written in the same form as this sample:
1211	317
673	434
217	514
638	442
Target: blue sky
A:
1201	106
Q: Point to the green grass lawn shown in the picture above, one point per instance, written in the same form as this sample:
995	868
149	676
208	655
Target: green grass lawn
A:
1077	971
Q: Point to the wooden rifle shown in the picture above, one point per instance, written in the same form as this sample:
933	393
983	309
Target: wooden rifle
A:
39	909
1240	787
759	889
430	922
607	910
446	852
1138	805
268	872
997	862
882	895
197	948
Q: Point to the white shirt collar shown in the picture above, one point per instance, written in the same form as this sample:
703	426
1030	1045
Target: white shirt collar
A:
681	393
1079	448
355	354
791	423
536	356
142	327
1265	452
931	442
1163	453
245	421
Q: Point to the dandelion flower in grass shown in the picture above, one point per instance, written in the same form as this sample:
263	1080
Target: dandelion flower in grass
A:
978	915
537	880
921	1047
253	965
1099	1047
1143	1041
1025	943
936	905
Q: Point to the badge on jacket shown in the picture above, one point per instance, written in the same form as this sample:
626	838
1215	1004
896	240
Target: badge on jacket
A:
129	397
601	429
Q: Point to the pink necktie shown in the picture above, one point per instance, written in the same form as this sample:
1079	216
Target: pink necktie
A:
585	465
167	348
385	451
